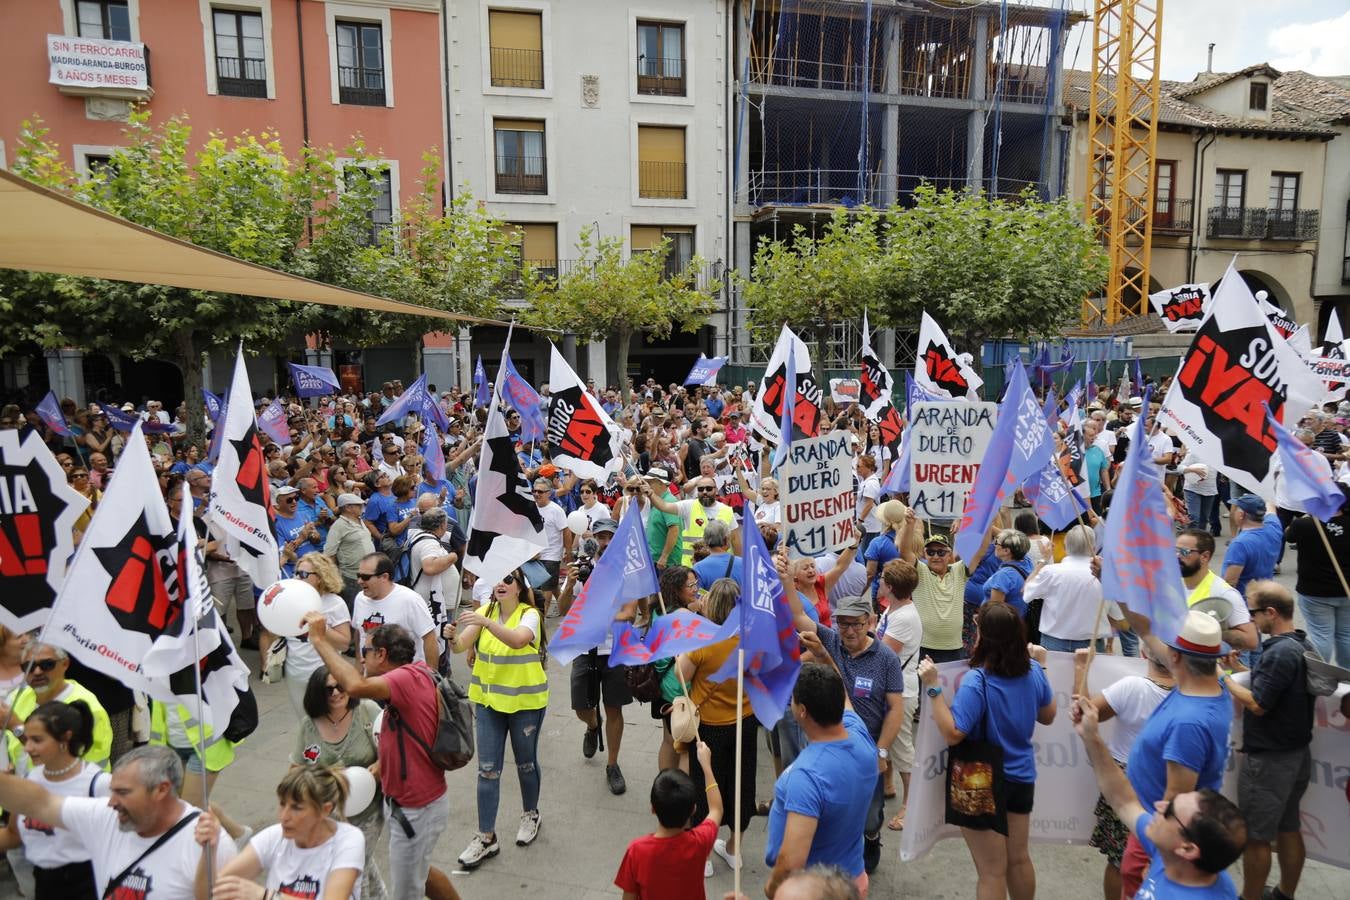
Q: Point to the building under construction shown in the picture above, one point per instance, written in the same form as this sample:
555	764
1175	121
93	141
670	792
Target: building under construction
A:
857	102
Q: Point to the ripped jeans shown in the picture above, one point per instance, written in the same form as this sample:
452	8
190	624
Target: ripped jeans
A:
493	727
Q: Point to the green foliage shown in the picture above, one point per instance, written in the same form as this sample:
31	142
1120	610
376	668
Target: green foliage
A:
603	295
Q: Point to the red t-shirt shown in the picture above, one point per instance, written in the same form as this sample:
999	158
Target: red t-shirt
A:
412	694
657	868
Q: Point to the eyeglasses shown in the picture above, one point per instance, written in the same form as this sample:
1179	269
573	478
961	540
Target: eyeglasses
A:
336	688
1171	813
1184	552
43	665
842	625
299	574
692	583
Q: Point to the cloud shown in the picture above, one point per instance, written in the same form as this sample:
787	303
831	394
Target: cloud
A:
1316	47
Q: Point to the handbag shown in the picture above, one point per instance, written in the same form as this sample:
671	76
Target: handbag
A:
977	796
274	664
644	680
684	720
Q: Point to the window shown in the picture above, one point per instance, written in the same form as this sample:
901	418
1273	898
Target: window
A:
1230	187
241	64
99	162
1256	95
522	167
644	238
1162	193
1284	192
107	19
360	49
661	169
660	62
538	243
382	208
516	48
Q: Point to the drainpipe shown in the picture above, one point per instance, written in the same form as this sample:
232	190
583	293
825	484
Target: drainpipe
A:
1197	219
304	99
445	84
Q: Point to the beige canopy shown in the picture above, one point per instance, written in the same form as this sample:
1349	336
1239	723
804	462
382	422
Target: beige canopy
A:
43	231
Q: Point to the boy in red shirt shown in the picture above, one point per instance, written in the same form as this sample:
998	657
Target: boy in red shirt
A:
668	863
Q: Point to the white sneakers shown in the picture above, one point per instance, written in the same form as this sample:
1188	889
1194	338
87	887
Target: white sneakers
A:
480	848
529	829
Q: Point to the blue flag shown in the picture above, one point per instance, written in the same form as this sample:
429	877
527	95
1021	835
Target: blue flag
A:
623	572
524	400
1139	563
49	411
1070	415
433	454
1138	375
121	421
272	420
1020	447
669	636
1051	408
213	405
313	381
1308	482
217	432
780	453
705	370
1055	501
481	396
416	399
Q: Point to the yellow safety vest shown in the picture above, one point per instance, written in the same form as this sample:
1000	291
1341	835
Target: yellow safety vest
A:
506	679
219	752
1202	590
698	521
24	700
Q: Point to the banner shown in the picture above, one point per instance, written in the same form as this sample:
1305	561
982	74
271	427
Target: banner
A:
705	370
580	434
818	497
939	369
1066	788
415	399
38	510
213	405
313	381
947	442
481	397
272	420
49	411
83	62
523	398
767	409
1181	308
845	390
1235	363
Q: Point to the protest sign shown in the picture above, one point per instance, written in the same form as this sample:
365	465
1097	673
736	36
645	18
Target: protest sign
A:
1066	788
948	441
845	390
818	496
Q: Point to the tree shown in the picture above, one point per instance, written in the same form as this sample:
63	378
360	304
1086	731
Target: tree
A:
812	283
606	296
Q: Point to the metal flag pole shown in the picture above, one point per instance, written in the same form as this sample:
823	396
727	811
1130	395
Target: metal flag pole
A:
736	822
209	857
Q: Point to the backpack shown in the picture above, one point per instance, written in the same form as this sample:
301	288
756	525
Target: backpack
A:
403	562
452	746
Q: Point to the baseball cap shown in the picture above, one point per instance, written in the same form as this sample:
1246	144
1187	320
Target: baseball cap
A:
349	500
938	538
659	473
604	526
1252	505
853	606
286	490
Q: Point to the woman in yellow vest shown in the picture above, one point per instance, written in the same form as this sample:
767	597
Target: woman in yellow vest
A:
177	728
509	690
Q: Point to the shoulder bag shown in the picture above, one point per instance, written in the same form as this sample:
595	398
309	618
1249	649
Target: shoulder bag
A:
115	882
976	794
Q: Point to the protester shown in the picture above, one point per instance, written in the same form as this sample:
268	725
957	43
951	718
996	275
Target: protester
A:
695	514
1321	594
382	602
1002	665
1253	554
901	630
939	594
231	586
1005	584
1074	610
431	565
720	561
1195	550
46	666
12	644
509	690
319	572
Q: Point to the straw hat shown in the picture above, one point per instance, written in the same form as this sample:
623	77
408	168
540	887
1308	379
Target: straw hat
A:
892	513
1201	635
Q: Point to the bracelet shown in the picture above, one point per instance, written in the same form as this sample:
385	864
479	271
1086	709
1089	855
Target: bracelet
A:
709	788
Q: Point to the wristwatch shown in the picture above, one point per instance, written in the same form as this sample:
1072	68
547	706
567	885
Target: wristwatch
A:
934	690
883	753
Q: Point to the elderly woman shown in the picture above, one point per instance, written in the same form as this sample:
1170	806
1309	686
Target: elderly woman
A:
1005	585
768	509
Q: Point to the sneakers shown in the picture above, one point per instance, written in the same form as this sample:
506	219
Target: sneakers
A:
871	853
720	848
529	829
615	778
707	868
482	847
590	742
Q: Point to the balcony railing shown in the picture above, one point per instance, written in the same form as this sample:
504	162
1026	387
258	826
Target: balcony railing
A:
517	68
661	180
522	175
1294	224
241	78
806	73
360	87
1237	223
1173	216
660	77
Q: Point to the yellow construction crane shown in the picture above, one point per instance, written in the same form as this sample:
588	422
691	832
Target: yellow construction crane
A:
1122	145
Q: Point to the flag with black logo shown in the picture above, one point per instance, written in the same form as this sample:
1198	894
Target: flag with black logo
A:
767	410
38	511
1236	362
876	391
1181	308
128	601
580	434
939	369
241	495
507	527
1281	321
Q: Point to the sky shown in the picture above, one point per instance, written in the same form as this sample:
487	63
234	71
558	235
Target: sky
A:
1311	35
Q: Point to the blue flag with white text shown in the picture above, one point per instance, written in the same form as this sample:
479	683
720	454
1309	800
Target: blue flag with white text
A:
433	454
313	381
481	396
1308	483
705	370
416	399
49	411
524	399
670	635
213	405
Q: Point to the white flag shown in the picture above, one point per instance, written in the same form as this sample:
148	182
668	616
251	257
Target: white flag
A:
1237	361
507	527
939	369
1181	308
176	647
241	495
580	434
125	608
767	410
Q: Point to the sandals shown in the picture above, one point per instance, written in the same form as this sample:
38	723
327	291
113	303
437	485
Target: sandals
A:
897	822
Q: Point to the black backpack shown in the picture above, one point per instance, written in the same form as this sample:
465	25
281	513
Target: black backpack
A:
452	746
403	562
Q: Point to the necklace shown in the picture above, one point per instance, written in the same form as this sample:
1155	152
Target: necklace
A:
49	772
337	722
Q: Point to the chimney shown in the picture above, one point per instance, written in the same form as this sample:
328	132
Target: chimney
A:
1209	65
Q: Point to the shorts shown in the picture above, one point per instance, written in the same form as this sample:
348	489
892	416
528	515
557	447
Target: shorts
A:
191	761
1133	866
902	748
237	588
1270	786
1109	834
410	854
1021	796
553	567
594	679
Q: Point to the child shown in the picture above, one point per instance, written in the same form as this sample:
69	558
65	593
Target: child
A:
669	862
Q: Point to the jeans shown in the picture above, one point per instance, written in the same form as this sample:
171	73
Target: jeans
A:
493	728
1050	642
1328	621
791	739
1199	507
410	857
1129	643
876	812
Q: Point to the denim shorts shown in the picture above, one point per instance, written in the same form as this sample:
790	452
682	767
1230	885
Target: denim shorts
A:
192	762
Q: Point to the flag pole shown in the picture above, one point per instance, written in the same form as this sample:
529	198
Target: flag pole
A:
208	855
740	717
1326	542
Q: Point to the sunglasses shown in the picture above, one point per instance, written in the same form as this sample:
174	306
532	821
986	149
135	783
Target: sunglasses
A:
936	551
706	490
365	650
74	475
1184	552
587	491
543	492
1256	609
299	574
509	579
1171	813
363	576
633	490
43	665
335	688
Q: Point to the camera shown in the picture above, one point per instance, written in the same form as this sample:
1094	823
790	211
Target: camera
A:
584	558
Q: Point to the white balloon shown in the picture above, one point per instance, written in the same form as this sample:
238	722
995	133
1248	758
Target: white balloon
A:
360	790
578	522
283	605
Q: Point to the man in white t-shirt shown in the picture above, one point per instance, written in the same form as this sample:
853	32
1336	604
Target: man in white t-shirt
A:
118	832
556	532
432	571
382	602
901	629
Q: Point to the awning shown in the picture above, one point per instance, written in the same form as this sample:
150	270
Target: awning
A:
44	231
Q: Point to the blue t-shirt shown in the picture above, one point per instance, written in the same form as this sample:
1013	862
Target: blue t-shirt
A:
1189	731
1256	550
715	406
880	550
434	487
975	583
404	509
1010	719
1009	578
380	512
711	568
831	782
1097	466
288	529
1157	886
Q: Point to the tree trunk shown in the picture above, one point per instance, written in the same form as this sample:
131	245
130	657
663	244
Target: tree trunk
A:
190	361
417	356
624	336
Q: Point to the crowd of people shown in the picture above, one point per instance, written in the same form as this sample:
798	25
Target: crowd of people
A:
361	516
